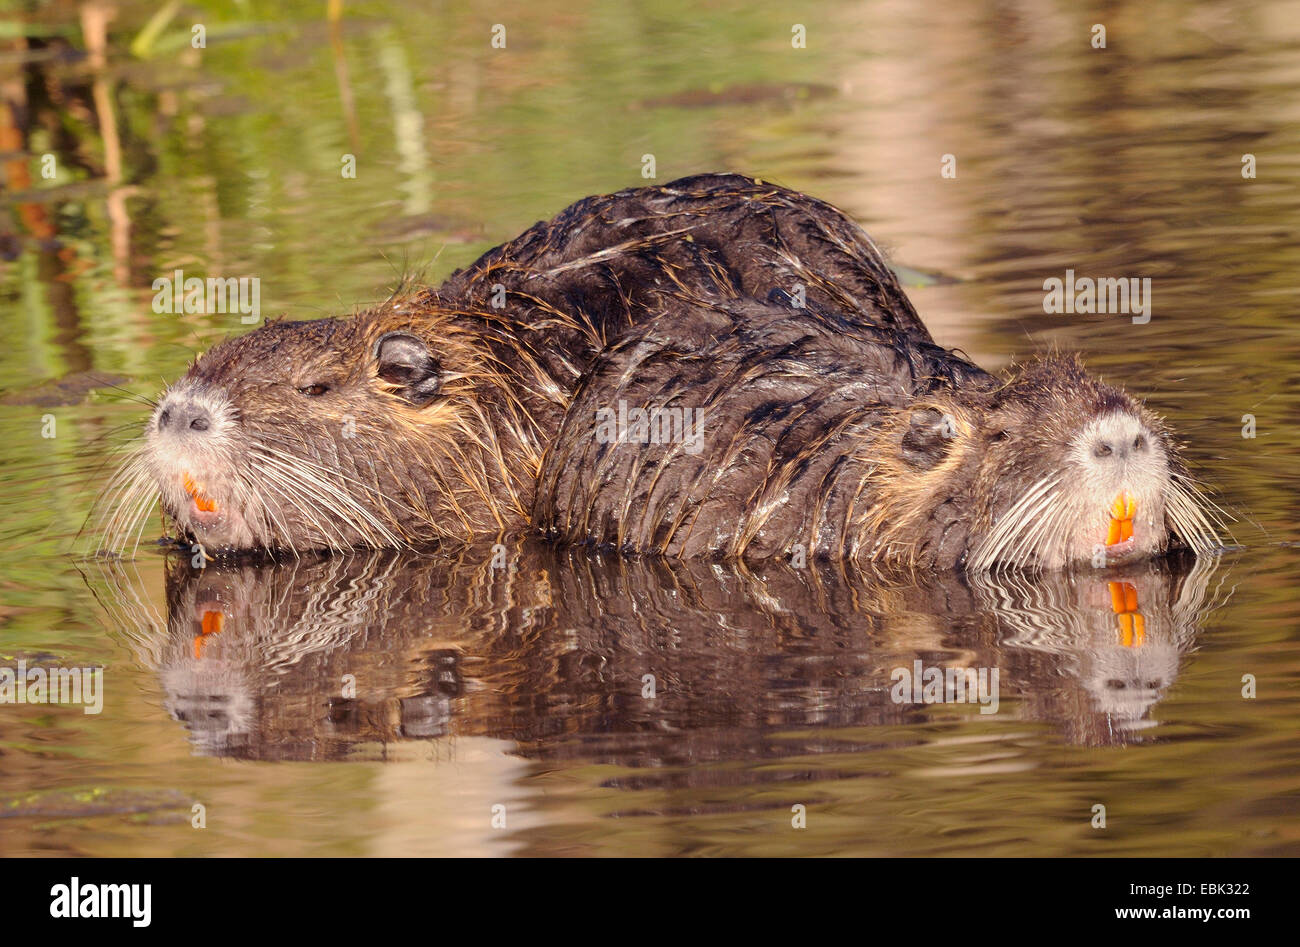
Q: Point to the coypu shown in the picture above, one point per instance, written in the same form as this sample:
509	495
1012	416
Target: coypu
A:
871	449
834	425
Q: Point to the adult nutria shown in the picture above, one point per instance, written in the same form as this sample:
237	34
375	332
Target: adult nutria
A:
830	422
870	447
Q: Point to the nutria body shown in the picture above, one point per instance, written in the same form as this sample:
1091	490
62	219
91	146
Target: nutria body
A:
715	367
869	447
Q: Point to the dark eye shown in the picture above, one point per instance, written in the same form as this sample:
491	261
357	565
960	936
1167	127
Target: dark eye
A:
1103	450
1139	442
314	390
1000	436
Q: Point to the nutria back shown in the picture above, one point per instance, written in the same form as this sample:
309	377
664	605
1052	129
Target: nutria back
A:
606	257
576	283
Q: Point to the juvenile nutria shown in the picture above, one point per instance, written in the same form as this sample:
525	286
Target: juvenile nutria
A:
827	422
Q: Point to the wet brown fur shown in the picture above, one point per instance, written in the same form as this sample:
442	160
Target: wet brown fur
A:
767	310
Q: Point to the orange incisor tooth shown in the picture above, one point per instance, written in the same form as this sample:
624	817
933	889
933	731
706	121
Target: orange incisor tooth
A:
1122	512
204	503
1124	507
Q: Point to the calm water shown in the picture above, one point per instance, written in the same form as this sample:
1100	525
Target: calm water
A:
382	704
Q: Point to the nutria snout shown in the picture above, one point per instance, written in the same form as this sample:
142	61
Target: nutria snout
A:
714	367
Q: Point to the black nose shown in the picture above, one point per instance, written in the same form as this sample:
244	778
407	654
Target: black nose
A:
181	416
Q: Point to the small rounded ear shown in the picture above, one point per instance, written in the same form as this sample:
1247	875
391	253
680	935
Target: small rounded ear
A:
928	437
404	360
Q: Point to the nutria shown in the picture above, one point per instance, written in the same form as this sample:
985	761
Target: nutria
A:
827	421
867	448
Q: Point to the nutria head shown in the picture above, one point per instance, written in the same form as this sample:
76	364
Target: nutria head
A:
1050	468
385	429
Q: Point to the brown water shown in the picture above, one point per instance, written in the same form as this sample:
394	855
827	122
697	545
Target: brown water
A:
386	704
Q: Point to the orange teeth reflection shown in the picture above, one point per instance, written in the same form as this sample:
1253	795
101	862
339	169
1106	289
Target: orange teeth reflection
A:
1124	603
202	502
1123	597
1122	512
210	624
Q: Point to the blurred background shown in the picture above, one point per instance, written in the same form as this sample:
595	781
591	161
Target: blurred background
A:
129	152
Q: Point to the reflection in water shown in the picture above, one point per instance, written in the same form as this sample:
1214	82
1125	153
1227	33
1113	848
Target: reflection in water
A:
344	657
1120	641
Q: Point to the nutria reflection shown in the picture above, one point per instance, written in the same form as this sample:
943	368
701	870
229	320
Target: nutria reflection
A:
366	655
